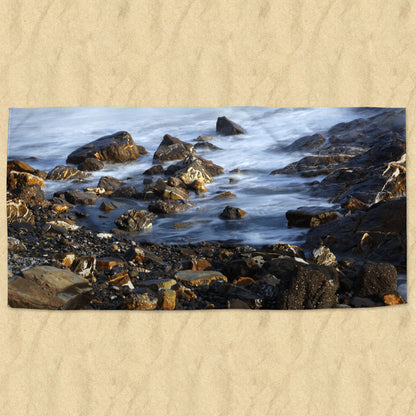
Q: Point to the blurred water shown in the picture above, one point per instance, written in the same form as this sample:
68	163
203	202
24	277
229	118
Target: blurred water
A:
44	138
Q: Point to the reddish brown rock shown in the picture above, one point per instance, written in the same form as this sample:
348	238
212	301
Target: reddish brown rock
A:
108	263
394	299
21	179
167	299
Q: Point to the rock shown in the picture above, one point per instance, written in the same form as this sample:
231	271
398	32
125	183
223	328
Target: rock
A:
108	206
238	304
124	192
360	302
231	213
169	207
91	164
136	255
135	220
21	179
353	204
84	265
175	182
78	197
395	185
227	127
171	148
203	139
376	279
14	245
154	170
140	301
284	250
109	183
65	173
306	143
32	195
198	186
156	284
121	279
241	268
17	211
206	145
19	166
108	263
394	299
117	147
46	287
61	207
224	195
66	224
311	216
167	299
168	192
66	259
323	256
197	278
244	281
201	264
313	165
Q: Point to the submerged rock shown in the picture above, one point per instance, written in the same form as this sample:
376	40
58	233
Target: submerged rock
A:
117	147
227	127
231	213
134	220
172	148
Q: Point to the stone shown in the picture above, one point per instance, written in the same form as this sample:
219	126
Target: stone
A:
121	279
136	255
244	281
124	192
224	195
169	192
84	265
117	147
19	166
227	127
32	195
91	164
154	170
108	263
169	207
109	183
75	196
17	211
107	206
171	148
323	256
393	299
376	279
198	186
353	204
306	143
65	173
66	259
238	304
21	179
167	299
311	216
231	213
203	138
14	245
140	301
201	264
66	224
135	220
46	287
197	278
246	267
156	284
206	145
360	302
284	250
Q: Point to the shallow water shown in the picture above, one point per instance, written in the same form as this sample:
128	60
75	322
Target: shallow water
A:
45	137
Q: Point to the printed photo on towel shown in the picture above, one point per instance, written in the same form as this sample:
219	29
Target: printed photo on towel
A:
206	208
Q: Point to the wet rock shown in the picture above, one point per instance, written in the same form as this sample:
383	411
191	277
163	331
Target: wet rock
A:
376	279
17	211
135	220
19	166
108	206
154	170
21	179
323	256
203	139
306	143
311	216
171	148
109	183
32	195
197	278
140	301
313	165
231	213
117	147
244	281
84	265
75	196
394	299
167	299
91	164
169	192
227	127
284	250
66	224
169	207
124	192
224	195
207	146
175	182
46	287
65	173
395	185
198	186
353	204
14	245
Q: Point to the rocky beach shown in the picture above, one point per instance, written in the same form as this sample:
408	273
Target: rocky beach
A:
237	212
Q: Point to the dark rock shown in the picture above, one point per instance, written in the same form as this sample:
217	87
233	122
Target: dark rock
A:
311	216
231	213
241	268
207	145
14	245
169	207
203	138
84	265
136	255
359	302
108	206
353	204
168	192
376	279
227	127
91	164
65	173
124	192
171	148
109	183
140	301
117	147
78	197
134	220
32	195
306	143
21	179
154	170
285	250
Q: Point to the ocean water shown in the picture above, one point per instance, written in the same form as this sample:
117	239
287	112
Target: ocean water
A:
45	137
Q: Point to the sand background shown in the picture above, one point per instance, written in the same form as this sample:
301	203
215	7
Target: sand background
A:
208	53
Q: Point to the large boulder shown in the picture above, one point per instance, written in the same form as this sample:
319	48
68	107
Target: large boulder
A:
172	148
135	220
227	127
65	173
117	147
46	287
